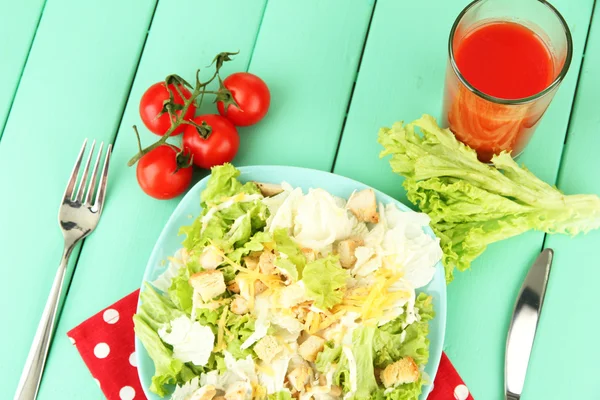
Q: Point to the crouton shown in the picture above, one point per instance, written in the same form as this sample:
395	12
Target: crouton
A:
266	263
218	398
364	206
267	348
206	392
311	347
251	262
259	287
309	254
346	249
233	287
299	377
209	284
335	391
269	189
210	258
237	391
239	305
402	371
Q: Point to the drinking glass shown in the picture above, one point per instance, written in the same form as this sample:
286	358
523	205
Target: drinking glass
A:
491	124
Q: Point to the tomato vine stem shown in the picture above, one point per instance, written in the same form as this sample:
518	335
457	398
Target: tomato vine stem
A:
177	112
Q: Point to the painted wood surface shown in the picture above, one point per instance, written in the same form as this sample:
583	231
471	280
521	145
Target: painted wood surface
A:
89	65
18	23
75	85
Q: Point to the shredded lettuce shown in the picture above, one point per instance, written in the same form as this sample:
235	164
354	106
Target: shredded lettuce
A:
472	204
323	278
223	183
181	292
362	349
389	343
281	395
256	243
167	368
329	356
293	253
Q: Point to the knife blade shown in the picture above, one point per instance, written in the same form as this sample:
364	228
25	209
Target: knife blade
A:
523	325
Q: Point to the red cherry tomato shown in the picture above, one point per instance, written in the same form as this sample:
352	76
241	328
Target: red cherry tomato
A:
252	96
152	103
159	176
221	145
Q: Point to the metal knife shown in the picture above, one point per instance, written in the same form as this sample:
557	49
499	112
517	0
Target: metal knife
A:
523	325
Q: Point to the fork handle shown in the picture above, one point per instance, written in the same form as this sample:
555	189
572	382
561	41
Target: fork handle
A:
31	376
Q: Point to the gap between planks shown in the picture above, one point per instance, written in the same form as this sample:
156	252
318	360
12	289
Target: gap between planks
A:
573	105
366	38
14	95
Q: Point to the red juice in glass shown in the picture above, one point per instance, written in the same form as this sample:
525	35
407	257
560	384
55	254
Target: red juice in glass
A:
503	72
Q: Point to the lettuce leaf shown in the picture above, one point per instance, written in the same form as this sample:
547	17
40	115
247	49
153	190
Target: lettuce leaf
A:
281	395
284	244
362	349
167	368
156	309
323	278
472	204
408	391
388	344
256	243
181	292
240	328
221	227
330	355
223	183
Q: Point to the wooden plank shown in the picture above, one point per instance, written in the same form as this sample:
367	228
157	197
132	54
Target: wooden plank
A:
569	326
401	77
112	261
308	53
74	86
19	24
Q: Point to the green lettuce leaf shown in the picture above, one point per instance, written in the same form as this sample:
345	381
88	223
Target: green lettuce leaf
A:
472	204
362	350
181	292
284	244
330	355
240	328
223	183
323	279
288	266
167	368
156	309
281	395
408	391
388	344
256	243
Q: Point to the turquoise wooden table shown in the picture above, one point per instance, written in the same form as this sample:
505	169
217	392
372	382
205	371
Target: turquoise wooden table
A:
338	70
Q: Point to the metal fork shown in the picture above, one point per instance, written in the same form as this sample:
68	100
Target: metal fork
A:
78	216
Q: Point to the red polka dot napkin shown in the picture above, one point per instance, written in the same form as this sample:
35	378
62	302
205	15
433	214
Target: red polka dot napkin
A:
106	344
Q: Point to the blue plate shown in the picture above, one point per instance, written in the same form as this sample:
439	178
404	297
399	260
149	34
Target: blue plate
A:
168	242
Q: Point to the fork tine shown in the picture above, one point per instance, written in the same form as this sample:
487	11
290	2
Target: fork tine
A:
71	185
99	202
92	186
84	175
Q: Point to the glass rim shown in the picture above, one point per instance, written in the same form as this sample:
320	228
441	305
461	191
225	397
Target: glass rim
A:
522	100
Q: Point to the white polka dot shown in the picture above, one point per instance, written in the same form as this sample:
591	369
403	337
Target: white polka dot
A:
127	393
461	392
133	359
111	316
71	339
101	350
97	381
